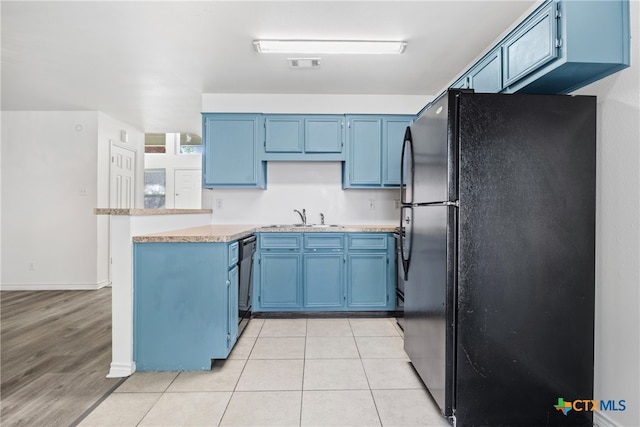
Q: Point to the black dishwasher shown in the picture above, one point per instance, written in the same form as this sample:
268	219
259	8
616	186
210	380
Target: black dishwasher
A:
247	248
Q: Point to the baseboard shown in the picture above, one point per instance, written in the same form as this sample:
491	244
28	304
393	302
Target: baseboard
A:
602	420
55	287
120	370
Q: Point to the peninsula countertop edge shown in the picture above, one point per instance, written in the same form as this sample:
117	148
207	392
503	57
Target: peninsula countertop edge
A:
143	212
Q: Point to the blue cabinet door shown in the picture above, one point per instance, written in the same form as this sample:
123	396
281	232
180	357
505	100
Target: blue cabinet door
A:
324	134
486	75
393	129
461	83
560	47
280	277
231	153
283	134
182	303
364	157
530	47
323	281
232	304
367	275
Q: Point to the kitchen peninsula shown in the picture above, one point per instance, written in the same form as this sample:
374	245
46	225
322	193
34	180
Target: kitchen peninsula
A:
185	306
123	225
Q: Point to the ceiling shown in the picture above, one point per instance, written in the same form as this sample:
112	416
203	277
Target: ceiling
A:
147	63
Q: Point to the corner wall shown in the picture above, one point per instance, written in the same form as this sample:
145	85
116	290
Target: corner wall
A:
57	164
48	226
617	340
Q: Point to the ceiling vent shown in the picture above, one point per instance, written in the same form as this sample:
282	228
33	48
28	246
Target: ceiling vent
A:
304	62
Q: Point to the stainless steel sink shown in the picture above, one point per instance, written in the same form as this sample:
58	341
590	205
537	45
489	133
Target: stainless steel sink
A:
325	226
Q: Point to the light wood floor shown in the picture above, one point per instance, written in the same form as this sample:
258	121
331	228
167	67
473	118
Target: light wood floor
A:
55	351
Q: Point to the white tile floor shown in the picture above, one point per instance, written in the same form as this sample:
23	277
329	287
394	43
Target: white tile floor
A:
285	372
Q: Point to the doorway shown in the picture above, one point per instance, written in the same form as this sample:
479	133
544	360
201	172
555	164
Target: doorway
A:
188	188
122	176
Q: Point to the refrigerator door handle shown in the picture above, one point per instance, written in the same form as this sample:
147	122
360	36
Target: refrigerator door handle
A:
455	203
406	166
406	238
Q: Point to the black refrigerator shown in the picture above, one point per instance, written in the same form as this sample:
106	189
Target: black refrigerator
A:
498	253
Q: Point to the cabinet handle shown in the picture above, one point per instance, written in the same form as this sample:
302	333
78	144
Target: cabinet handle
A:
228	283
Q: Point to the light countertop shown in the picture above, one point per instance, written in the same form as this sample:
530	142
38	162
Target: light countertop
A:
231	232
140	212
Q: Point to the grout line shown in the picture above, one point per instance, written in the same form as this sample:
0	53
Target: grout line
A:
246	361
149	410
304	364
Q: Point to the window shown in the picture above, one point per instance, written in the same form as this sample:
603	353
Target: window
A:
155	143
154	188
190	143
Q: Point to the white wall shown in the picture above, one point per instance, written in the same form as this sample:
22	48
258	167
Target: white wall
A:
170	161
50	237
314	186
617	348
317	186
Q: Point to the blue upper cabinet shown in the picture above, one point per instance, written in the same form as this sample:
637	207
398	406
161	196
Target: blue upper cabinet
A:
531	46
283	134
363	167
303	137
592	41
559	48
324	134
374	146
232	151
485	76
393	130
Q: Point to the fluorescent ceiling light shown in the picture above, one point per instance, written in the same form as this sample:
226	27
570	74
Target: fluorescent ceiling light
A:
315	47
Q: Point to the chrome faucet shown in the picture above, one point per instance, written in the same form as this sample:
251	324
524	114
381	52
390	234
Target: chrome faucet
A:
303	215
321	218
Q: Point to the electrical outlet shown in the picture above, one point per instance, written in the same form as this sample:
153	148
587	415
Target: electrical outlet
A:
218	203
32	266
396	203
372	204
83	191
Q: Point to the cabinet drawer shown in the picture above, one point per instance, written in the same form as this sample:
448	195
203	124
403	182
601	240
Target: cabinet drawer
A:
233	254
280	241
368	241
323	241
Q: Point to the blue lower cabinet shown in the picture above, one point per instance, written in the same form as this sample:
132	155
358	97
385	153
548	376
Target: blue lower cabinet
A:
370	271
324	281
280	276
367	281
185	305
325	272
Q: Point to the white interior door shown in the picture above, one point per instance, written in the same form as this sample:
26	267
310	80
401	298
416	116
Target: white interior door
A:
122	178
188	188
